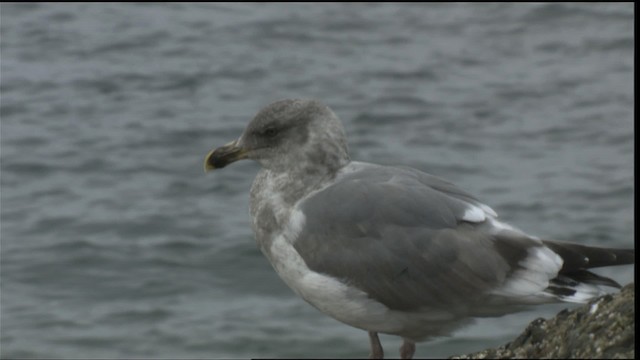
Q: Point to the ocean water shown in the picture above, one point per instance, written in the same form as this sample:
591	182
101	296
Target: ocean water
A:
114	243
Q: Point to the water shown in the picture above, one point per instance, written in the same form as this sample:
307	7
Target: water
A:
114	242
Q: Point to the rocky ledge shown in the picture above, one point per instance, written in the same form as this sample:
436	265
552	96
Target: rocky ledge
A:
602	329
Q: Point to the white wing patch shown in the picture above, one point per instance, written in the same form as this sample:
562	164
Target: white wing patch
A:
478	212
474	214
538	268
295	225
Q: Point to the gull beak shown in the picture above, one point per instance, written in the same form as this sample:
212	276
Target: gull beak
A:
223	156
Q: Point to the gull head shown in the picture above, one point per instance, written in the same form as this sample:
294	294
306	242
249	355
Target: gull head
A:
285	135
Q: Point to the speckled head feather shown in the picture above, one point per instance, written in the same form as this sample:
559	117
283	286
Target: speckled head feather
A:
296	131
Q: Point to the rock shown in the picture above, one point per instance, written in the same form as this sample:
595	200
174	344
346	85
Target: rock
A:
602	329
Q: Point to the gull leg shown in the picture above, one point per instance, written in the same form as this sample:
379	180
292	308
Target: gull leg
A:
376	347
407	349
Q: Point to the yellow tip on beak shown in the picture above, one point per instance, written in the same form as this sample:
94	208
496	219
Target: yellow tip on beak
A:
223	156
207	164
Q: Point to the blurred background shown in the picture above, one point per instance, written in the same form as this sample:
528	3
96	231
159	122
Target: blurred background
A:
114	244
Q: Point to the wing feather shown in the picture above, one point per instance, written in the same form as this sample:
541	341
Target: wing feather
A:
404	242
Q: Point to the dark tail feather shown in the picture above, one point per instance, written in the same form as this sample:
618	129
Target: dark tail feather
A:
579	257
569	286
587	277
576	260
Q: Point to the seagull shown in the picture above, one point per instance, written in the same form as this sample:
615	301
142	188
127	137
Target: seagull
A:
391	249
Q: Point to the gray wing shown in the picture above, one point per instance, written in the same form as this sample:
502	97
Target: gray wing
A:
401	236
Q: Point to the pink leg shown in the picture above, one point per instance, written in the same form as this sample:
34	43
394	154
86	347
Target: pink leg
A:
407	349
376	347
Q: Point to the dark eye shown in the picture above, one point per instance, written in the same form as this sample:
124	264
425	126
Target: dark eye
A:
270	132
